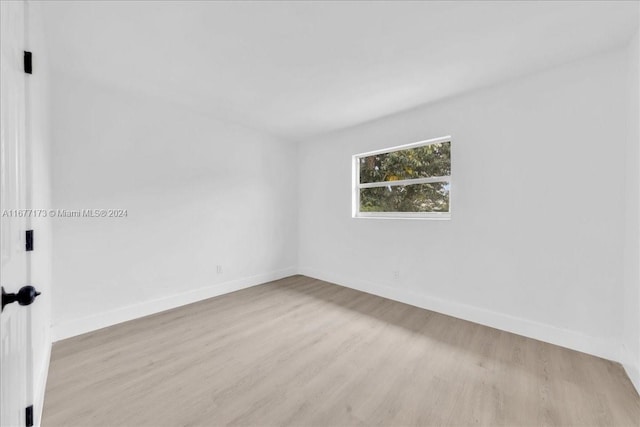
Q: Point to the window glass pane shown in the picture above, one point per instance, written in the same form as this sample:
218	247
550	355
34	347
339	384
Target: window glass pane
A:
432	197
420	162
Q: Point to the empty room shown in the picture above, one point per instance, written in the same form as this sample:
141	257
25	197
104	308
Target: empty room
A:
319	213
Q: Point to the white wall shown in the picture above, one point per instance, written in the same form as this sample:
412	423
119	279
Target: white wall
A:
199	193
39	197
535	242
631	308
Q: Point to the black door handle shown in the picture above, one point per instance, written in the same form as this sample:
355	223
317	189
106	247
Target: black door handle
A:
25	296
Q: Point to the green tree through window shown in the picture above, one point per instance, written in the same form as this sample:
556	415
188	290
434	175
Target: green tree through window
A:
415	180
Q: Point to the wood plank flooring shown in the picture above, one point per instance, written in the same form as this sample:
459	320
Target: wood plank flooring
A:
303	352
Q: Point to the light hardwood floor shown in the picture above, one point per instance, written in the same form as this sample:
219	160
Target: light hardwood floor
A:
303	352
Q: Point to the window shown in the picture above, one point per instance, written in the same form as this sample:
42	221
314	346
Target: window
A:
409	181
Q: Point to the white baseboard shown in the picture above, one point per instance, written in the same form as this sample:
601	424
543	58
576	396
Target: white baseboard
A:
41	385
634	375
631	367
83	325
607	349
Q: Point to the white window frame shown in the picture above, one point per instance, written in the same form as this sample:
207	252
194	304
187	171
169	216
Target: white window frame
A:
356	185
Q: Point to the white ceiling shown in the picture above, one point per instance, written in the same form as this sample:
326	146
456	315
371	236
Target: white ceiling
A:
300	69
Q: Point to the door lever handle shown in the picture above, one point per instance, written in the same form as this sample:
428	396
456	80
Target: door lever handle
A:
25	296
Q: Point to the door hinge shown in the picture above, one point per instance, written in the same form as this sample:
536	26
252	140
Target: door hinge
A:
28	64
28	416
28	240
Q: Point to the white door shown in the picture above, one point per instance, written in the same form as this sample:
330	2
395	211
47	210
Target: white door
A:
14	376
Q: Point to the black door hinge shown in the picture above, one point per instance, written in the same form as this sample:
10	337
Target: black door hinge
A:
28	415
28	240
28	64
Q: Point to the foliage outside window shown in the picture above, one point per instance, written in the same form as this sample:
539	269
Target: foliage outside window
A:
409	181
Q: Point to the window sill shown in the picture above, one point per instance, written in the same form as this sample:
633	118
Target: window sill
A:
379	215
